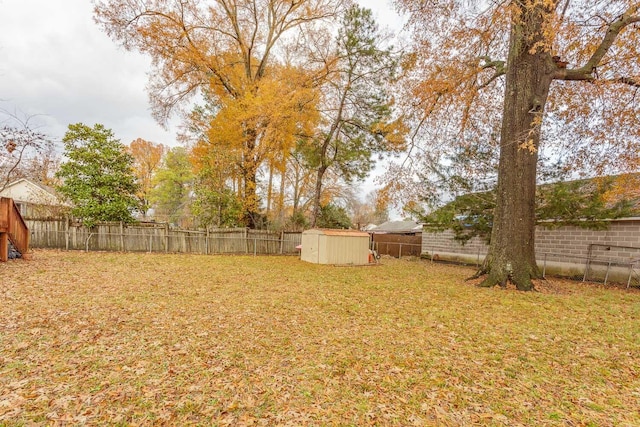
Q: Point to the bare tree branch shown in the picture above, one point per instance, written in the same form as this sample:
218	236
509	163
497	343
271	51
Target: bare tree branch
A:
587	71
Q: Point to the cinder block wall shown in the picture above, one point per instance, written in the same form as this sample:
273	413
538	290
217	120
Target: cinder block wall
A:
566	245
443	242
572	241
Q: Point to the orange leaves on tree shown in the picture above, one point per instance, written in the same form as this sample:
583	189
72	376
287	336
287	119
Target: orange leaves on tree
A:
147	159
229	51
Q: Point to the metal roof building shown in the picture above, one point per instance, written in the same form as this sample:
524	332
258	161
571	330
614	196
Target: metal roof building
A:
339	247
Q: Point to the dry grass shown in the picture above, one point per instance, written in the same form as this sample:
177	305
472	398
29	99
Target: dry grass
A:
126	339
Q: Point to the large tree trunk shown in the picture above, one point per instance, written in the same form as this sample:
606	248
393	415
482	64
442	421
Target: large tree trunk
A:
249	174
269	191
530	72
250	196
317	195
281	196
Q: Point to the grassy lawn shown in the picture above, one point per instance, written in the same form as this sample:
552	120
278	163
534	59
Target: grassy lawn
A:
139	339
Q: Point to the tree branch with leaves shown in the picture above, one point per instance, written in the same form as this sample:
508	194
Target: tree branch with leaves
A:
497	78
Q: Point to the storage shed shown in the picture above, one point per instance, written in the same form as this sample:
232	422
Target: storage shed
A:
340	247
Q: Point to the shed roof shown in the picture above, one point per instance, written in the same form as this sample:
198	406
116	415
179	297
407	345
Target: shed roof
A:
334	232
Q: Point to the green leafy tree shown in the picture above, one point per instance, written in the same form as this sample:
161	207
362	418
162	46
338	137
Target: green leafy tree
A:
356	106
217	207
171	195
98	175
582	203
332	216
297	221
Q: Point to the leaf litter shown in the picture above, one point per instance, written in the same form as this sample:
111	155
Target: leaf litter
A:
140	339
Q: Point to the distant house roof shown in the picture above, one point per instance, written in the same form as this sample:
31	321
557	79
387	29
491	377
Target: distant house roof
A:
26	190
398	227
369	227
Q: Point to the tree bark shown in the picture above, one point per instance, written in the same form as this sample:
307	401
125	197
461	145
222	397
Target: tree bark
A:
249	174
281	195
250	196
511	256
317	195
269	190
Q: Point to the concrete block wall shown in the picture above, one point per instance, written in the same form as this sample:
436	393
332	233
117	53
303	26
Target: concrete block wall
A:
564	249
444	242
570	241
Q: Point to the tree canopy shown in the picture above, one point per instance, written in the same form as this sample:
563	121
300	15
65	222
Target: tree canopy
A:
97	176
501	87
294	98
232	52
587	203
589	50
356	103
171	195
147	158
24	151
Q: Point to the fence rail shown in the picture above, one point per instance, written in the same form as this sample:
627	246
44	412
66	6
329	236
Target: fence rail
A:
152	237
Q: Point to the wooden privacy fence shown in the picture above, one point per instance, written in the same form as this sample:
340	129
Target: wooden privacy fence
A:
397	245
154	237
12	229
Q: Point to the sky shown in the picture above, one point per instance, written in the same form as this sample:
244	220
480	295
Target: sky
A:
57	67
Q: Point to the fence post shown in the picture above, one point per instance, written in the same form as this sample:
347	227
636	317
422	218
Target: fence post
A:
166	237
544	267
151	242
206	242
606	276
246	240
122	236
587	263
400	251
66	241
255	246
281	242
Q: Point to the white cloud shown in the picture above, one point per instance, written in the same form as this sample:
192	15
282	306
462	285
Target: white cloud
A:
55	62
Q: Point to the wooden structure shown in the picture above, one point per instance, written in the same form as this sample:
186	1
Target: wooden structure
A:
398	245
12	229
158	237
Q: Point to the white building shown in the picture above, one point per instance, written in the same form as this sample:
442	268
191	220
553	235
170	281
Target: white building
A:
34	199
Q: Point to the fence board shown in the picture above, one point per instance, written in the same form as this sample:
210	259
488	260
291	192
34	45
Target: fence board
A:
398	245
155	237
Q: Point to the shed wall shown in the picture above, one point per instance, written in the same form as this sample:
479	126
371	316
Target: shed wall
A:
310	247
330	247
348	250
